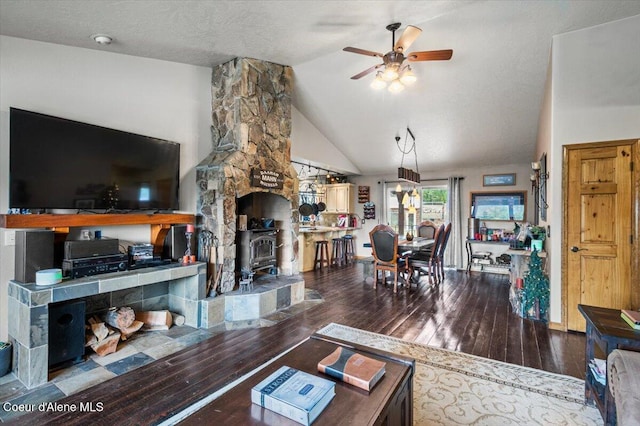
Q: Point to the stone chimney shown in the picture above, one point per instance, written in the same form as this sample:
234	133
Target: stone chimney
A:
251	128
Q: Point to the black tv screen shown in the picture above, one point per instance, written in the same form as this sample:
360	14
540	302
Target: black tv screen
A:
57	163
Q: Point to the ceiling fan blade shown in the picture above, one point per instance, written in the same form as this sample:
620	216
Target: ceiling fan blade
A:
367	71
362	51
431	55
409	35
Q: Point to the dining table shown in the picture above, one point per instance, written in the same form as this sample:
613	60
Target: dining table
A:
416	244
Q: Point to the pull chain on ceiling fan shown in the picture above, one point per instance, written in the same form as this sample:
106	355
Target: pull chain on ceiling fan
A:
396	72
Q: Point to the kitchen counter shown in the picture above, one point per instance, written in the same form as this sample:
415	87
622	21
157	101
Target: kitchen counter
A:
318	229
307	242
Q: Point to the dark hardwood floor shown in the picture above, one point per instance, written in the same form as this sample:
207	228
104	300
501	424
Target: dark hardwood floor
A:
466	312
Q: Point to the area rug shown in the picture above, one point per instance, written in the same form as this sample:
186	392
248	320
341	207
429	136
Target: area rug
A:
452	388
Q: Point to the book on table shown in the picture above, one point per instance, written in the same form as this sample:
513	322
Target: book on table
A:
634	316
629	321
353	368
294	394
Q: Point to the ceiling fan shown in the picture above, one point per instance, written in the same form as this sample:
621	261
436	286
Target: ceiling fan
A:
397	70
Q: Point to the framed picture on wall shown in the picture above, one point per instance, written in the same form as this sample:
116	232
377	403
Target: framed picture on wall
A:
504	179
542	193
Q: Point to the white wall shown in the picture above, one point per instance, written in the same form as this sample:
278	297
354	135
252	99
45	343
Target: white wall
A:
595	96
156	98
307	143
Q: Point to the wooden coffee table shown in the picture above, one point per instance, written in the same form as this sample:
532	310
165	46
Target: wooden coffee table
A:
389	402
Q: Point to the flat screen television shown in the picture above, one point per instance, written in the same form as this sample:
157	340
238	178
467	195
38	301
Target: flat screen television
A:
56	163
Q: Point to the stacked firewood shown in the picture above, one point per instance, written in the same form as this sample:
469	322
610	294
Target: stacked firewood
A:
104	333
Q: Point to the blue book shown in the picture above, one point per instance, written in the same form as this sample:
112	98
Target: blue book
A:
294	394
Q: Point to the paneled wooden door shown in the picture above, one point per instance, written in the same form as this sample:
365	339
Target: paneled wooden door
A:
599	219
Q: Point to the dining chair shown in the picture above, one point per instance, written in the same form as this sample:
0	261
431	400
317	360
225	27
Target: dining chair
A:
440	253
384	245
426	261
427	229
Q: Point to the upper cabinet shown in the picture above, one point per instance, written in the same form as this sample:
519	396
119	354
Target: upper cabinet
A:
340	198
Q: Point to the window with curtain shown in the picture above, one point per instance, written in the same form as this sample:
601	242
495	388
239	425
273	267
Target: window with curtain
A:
431	204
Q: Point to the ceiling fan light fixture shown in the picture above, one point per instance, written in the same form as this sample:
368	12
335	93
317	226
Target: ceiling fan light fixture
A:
396	86
378	83
408	77
390	73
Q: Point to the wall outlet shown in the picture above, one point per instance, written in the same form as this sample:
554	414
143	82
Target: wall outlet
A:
9	237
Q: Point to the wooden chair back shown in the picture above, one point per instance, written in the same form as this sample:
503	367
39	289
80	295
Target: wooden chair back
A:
437	243
445	240
427	229
384	244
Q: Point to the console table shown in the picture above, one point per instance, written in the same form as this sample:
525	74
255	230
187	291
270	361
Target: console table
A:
388	403
605	332
497	246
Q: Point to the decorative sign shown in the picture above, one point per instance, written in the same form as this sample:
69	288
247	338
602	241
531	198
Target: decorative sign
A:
499	180
267	179
369	210
363	194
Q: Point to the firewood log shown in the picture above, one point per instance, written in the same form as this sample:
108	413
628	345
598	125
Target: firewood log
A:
120	318
100	330
127	332
90	339
107	346
177	318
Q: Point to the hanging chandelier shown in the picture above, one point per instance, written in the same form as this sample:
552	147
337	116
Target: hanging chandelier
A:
408	175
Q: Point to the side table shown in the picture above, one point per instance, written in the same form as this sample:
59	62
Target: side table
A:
606	331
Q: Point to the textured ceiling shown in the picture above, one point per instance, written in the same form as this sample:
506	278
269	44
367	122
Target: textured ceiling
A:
481	107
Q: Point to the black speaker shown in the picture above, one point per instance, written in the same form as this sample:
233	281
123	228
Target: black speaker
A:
87	248
66	331
34	252
175	243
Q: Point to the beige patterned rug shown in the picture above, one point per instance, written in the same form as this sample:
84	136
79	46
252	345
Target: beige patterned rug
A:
452	388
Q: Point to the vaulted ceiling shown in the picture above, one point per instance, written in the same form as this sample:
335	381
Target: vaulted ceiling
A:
481	107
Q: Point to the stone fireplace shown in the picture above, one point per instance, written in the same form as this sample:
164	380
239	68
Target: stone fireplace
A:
251	127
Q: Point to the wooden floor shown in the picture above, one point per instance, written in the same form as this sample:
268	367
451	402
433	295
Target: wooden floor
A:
466	312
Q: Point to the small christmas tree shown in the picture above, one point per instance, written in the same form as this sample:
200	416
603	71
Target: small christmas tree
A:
535	296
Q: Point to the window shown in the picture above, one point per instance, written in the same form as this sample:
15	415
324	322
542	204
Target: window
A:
499	205
431	204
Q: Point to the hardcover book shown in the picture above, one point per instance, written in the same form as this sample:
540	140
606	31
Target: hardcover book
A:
294	394
630	321
353	368
632	315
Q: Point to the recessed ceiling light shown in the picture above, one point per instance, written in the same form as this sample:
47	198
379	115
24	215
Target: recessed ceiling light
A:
102	39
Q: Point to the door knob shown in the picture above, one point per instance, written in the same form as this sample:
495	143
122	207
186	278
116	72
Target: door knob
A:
576	249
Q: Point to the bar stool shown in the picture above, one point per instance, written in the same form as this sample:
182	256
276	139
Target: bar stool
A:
349	249
322	255
337	253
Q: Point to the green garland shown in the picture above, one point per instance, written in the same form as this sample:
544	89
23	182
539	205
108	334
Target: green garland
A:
536	288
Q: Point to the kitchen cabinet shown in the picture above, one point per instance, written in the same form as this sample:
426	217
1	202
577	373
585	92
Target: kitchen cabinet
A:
340	198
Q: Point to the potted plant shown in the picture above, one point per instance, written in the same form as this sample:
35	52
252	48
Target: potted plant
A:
538	232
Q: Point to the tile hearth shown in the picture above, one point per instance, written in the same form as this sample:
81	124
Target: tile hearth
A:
139	350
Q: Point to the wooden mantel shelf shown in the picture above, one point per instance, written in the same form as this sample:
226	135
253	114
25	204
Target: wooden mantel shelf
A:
71	220
160	223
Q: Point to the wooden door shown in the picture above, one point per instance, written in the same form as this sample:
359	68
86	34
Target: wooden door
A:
599	221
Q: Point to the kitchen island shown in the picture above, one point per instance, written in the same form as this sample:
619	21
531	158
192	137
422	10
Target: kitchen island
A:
307	242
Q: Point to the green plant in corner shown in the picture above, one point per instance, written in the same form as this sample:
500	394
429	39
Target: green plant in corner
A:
538	232
535	295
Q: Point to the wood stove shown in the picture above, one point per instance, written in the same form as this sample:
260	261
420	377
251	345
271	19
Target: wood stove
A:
257	249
